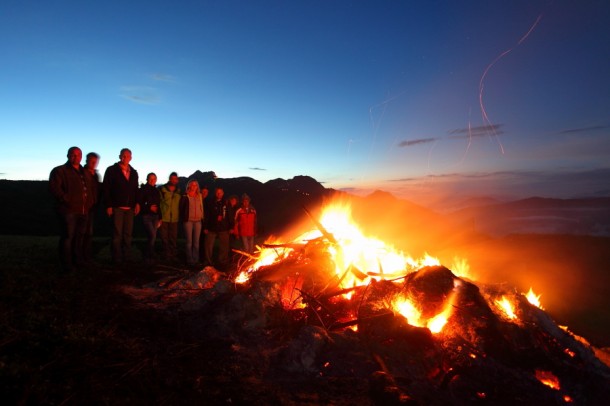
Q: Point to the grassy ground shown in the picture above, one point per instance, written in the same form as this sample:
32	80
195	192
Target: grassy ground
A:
77	339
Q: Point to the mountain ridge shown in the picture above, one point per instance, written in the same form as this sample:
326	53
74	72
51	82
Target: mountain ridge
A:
281	201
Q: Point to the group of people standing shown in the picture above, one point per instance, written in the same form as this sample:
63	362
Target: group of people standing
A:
78	190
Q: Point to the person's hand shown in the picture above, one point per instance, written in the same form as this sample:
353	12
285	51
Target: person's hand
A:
154	208
109	211
137	209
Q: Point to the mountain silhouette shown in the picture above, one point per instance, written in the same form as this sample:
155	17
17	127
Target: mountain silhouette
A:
283	204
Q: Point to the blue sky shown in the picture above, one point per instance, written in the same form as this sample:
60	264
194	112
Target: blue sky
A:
359	95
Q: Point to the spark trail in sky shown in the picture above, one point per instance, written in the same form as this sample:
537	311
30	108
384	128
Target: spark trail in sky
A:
486	120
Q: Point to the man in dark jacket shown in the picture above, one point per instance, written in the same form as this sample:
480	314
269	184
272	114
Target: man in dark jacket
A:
218	222
121	200
150	200
71	186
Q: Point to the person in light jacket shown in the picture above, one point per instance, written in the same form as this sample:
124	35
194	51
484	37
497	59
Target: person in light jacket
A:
191	217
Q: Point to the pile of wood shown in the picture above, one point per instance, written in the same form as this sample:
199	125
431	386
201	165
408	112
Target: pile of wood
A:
295	317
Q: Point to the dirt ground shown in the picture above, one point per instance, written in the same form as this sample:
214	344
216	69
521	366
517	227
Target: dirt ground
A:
79	339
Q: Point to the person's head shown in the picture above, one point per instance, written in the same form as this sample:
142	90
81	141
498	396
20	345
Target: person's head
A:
219	193
75	155
92	160
233	200
125	156
245	200
192	187
173	178
204	192
151	179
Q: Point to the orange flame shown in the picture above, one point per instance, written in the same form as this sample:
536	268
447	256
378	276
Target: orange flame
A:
435	324
351	250
548	378
507	307
406	308
534	299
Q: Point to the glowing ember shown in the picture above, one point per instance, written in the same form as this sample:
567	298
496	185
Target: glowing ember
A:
507	307
534	299
243	277
548	378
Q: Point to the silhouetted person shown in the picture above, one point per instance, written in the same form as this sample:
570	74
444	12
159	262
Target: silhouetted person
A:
170	215
150	201
233	205
218	223
71	187
120	196
91	164
204	195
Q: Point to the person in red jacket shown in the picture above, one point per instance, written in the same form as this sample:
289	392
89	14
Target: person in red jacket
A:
245	224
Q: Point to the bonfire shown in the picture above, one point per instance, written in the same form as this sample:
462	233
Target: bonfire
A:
335	303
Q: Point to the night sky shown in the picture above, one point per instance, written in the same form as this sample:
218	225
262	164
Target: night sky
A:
428	100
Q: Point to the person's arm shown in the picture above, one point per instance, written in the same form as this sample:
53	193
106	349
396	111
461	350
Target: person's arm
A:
107	187
56	185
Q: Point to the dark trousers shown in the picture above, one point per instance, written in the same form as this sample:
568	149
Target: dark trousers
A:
88	237
169	237
122	234
72	229
150	222
223	247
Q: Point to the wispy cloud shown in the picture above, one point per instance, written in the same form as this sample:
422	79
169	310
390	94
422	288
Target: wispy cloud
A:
458	133
479	131
140	94
161	77
584	129
410	143
257	169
